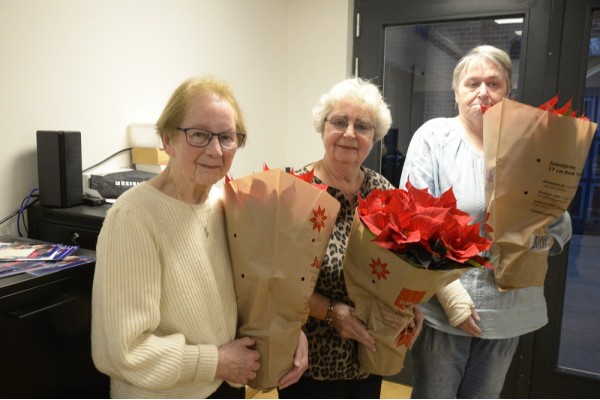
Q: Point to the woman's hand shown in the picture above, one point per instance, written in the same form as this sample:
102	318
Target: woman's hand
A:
300	363
470	325
416	325
349	327
238	363
459	307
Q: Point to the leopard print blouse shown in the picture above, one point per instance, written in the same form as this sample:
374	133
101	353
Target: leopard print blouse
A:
331	357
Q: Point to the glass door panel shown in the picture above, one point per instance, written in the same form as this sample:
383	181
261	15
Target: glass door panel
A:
418	64
579	351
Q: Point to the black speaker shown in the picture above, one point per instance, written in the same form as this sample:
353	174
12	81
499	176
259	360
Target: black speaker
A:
59	168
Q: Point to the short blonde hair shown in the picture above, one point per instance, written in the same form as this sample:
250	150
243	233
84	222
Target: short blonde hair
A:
179	103
361	92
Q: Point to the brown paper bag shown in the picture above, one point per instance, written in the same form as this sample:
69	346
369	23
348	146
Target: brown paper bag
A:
533	163
278	228
382	300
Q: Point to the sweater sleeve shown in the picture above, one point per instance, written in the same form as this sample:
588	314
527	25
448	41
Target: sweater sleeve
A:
127	342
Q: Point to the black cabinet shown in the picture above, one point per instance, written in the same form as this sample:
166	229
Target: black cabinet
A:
45	337
45	348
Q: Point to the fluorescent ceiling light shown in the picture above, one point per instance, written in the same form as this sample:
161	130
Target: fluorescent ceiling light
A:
509	21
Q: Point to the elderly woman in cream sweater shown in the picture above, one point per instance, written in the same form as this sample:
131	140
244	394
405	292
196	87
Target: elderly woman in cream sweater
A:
164	309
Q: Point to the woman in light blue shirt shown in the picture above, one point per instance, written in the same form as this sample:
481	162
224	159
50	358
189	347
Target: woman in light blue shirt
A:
469	337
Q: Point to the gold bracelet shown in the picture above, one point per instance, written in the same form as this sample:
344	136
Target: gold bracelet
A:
328	316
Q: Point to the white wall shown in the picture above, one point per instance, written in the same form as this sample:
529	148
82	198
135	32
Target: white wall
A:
320	52
97	66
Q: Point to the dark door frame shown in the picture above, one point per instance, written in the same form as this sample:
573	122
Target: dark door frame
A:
555	56
548	378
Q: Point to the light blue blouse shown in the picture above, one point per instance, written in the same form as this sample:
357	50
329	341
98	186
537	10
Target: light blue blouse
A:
438	158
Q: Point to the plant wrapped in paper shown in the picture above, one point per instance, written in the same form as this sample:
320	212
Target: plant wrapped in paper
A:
534	158
278	226
404	246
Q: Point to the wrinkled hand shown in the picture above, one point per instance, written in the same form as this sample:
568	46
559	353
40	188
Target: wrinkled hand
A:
348	326
415	325
300	363
470	324
237	362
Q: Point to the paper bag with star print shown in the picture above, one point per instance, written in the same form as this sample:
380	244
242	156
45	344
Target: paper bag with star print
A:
384	288
534	160
278	226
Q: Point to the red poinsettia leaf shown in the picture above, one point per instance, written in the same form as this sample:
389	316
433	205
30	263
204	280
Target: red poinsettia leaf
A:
371	202
471	234
375	223
564	109
464	254
461	217
400	207
465	243
421	197
550	104
447	199
308	177
429	221
393	240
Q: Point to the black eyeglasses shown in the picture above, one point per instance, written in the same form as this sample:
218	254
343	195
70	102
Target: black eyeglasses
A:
196	137
339	124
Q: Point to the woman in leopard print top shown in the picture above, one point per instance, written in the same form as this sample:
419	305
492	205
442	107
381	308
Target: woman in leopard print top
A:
351	118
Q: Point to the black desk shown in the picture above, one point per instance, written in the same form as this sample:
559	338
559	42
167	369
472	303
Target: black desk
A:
45	349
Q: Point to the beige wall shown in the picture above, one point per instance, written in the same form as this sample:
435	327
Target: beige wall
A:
98	66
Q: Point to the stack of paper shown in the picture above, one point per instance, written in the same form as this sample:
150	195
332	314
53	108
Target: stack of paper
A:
19	256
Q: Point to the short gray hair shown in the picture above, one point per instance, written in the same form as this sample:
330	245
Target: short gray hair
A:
361	92
476	55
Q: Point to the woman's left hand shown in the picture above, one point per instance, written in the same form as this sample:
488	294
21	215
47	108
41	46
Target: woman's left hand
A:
300	363
470	324
349	327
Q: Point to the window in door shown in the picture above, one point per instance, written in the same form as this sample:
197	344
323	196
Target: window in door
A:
579	351
418	64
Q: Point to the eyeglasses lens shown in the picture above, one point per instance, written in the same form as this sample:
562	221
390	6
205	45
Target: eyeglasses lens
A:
340	125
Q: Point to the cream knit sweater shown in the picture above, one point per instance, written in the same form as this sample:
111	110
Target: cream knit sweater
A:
163	296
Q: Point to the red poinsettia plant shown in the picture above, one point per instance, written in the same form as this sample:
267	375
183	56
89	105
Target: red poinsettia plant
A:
427	231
